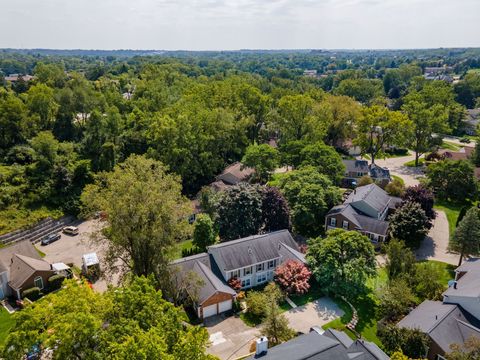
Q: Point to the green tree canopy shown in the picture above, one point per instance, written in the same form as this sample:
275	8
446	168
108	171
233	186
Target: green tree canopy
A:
342	262
466	239
147	215
263	158
79	323
409	223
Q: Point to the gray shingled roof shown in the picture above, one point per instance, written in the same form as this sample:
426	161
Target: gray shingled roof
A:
235	173
332	345
211	283
311	346
340	336
372	195
23	248
347	211
356	165
446	324
469	284
201	265
287	253
251	250
372	225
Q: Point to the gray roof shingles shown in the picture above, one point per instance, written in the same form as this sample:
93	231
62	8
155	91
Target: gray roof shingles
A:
372	195
248	251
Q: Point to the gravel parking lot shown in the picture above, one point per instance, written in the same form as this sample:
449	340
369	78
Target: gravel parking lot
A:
69	249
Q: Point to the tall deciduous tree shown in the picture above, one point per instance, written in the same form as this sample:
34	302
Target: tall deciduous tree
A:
147	215
453	179
395	299
239	212
466	239
310	195
409	223
427	120
380	127
263	158
204	233
423	196
400	260
78	323
275	325
342	262
325	159
275	210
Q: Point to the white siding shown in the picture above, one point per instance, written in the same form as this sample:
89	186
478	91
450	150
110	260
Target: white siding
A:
210	311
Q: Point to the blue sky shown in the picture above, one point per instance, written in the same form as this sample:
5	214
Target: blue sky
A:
239	24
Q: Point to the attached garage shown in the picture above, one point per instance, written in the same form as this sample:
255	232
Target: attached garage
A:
210	310
225	306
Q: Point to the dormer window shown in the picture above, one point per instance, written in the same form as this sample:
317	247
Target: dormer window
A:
333	221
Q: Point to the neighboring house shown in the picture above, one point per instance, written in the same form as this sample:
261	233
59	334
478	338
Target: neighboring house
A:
470	123
355	169
235	173
463	154
365	210
16	77
455	319
445	324
466	288
253	260
331	345
22	268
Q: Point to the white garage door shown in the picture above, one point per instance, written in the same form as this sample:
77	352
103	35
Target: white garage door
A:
225	306
209	311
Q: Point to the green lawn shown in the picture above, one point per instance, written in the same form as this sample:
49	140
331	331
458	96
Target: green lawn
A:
14	218
398	178
6	323
411	163
366	308
450	146
452	211
184	245
448	271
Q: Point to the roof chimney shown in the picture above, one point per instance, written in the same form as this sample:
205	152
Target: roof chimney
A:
261	346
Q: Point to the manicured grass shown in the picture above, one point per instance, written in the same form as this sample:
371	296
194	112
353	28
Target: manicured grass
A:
452	211
6	324
450	146
184	245
448	270
313	294
411	163
398	178
366	308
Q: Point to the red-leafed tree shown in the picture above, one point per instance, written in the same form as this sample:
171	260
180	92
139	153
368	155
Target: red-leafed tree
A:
235	283
293	277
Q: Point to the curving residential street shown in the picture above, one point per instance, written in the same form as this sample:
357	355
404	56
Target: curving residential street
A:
410	175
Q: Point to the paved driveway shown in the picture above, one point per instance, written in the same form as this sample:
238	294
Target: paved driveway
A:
316	313
435	245
409	175
69	249
229	336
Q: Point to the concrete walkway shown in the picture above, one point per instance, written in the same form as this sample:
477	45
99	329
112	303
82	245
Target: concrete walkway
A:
435	245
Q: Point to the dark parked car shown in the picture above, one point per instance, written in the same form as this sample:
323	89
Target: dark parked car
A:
50	238
465	140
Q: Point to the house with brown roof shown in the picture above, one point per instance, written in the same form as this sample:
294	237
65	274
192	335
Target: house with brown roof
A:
235	174
22	268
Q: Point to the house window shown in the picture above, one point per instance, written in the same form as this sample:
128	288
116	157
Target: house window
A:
360	174
345	224
235	273
38	282
261	278
333	221
247	271
271	264
245	283
260	267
